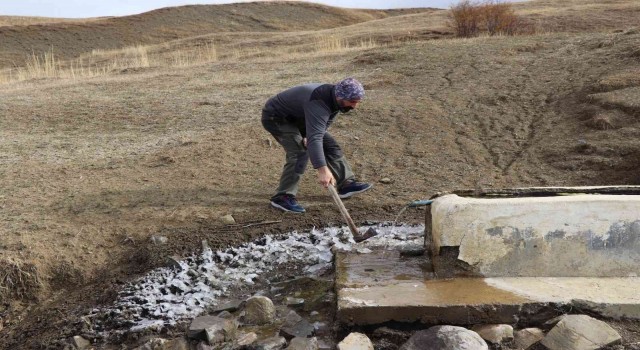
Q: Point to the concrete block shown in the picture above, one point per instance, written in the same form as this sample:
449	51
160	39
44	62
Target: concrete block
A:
561	236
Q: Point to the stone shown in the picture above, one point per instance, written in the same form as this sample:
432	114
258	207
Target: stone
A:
494	333
412	250
221	332
355	341
225	314
164	344
228	219
292	318
204	346
273	343
213	329
174	262
393	335
80	343
524	338
259	310
156	239
246	339
301	329
326	344
321	328
386	180
290	301
580	332
610	310
303	344
231	306
445	338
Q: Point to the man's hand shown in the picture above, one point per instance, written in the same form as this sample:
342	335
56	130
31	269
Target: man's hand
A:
325	178
304	142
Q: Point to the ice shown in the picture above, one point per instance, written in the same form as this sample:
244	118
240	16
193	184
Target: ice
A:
168	295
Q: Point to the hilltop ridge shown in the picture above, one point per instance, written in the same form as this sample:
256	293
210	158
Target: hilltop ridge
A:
70	38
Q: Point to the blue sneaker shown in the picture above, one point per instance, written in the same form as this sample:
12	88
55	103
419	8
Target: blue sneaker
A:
287	202
353	187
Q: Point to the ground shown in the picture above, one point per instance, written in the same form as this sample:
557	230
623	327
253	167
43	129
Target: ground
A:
92	168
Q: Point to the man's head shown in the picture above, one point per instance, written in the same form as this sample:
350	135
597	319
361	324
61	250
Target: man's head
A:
349	92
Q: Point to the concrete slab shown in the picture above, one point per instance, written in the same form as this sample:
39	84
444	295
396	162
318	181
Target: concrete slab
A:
382	286
562	236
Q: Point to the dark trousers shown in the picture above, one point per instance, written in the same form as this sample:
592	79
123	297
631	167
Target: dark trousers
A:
296	158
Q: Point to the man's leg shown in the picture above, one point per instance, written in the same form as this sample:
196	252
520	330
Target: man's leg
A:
341	170
336	161
295	160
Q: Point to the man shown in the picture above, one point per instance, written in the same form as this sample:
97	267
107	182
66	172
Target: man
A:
298	118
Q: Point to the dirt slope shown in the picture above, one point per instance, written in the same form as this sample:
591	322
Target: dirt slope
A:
92	168
69	40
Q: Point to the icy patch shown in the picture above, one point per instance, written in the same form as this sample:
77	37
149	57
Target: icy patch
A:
168	295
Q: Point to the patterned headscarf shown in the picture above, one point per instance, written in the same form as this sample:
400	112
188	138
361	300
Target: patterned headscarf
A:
349	89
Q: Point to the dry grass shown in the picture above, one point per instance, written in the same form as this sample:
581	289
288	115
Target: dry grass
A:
26	21
620	80
103	62
18	280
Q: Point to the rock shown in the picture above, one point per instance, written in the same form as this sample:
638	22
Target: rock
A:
524	338
303	344
213	329
385	180
300	329
580	332
494	333
204	346
225	314
246	339
292	318
80	343
355	341
228	219
164	344
155	239
231	306
326	344
290	301
412	250
445	338
273	343
221	332
547	325
259	310
395	336
615	311
174	262
321	328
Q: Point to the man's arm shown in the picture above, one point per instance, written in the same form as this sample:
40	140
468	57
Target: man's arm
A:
316	122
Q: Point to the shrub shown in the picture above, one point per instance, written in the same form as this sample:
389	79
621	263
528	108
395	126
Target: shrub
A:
493	17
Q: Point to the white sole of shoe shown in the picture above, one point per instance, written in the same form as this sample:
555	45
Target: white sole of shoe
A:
343	196
276	205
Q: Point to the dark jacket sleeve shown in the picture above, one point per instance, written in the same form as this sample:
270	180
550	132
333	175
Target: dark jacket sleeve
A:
316	115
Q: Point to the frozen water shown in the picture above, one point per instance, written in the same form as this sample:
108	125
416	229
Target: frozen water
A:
168	295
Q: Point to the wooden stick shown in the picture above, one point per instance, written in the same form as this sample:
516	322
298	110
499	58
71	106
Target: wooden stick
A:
343	211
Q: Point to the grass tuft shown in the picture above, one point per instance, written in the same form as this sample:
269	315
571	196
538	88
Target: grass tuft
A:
18	280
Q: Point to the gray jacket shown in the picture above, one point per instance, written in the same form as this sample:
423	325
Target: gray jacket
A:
312	108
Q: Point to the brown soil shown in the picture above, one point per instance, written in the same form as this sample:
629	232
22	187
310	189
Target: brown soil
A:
92	168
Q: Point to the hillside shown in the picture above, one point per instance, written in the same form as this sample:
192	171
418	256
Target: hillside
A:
7	21
92	167
70	39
